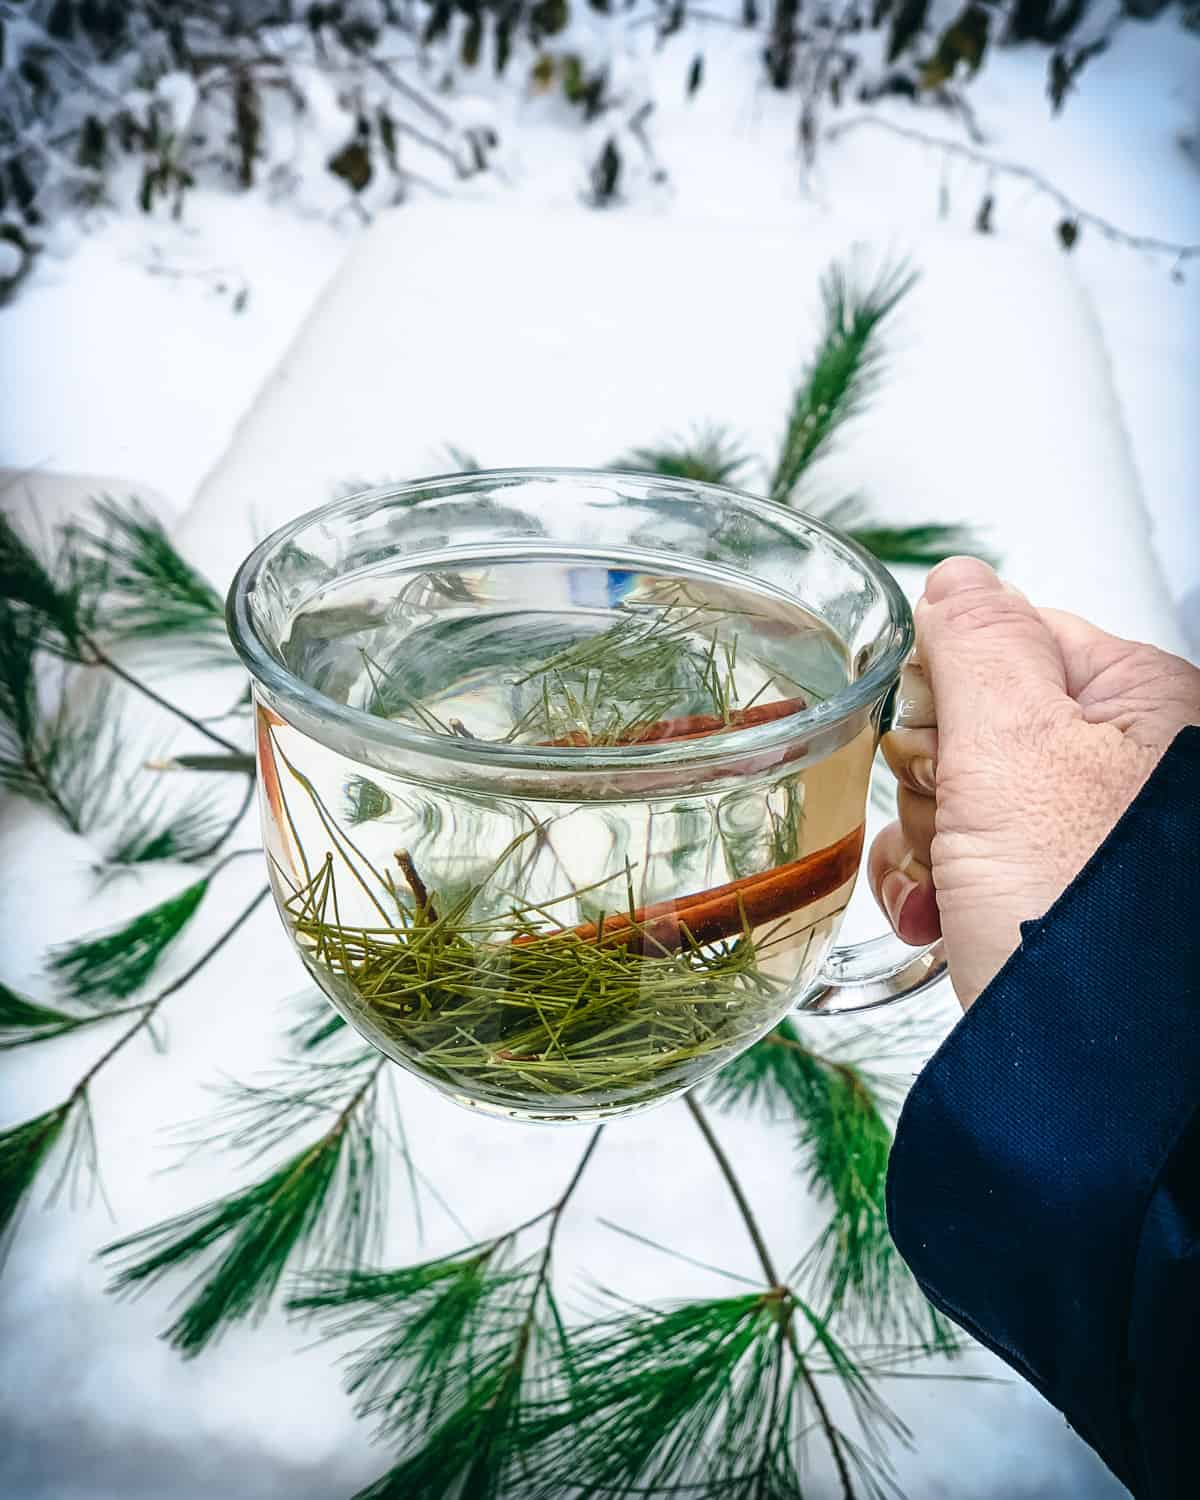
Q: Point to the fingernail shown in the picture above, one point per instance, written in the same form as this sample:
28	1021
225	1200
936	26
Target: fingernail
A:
957	573
894	890
922	772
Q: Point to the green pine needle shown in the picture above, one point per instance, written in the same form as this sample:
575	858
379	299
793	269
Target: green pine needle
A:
65	758
697	1396
711	455
149	589
843	371
23	1151
23	1021
844	1141
64	1131
162	830
316	1024
424	1329
62	606
115	964
920	546
326	1199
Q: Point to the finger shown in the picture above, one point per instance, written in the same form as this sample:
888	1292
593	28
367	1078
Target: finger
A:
917	814
992	660
903	887
912	756
914	698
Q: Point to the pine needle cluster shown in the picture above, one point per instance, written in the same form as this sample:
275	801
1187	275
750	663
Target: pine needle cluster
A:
323	1201
839	379
843	1138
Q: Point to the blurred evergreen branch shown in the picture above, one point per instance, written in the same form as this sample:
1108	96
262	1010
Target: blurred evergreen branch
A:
65	1131
322	1200
456	1363
710	455
843	371
843	1139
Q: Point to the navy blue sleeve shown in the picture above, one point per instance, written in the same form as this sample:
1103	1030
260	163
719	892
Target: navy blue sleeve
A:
1044	1184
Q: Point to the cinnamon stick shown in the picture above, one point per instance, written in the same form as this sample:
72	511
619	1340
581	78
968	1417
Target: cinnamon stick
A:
691	726
726	910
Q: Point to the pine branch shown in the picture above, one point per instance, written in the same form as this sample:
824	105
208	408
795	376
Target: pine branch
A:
324	1199
149	588
65	760
844	1142
920	545
64	605
711	455
157	830
24	1021
116	964
317	1024
842	372
65	602
454	1360
693	1397
24	1150
832	1436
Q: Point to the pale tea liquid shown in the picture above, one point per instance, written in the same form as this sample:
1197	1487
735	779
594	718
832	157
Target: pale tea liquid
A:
520	952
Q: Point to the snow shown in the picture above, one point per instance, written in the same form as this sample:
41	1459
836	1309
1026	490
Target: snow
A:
128	356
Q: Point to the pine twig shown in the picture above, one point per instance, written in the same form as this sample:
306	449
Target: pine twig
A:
26	1148
832	1436
1070	209
327	1193
449	1349
843	369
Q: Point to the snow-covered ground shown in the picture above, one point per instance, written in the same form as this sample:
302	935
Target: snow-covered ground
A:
126	354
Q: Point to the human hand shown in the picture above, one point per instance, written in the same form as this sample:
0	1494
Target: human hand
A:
1046	730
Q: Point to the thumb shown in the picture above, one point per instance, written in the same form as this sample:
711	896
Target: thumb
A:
990	658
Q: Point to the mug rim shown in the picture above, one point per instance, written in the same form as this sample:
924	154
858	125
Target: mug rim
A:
289	690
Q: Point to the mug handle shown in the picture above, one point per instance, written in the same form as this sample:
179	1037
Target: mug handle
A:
880	971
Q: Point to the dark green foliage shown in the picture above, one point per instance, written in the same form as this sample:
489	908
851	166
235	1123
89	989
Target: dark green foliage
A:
964	41
450	1368
422	1330
353	163
325	1201
23	1151
115	964
712	455
317	1023
844	1141
908	20
605	175
149	590
160	830
365	801
920	545
67	757
60	605
843	371
696	1395
23	1021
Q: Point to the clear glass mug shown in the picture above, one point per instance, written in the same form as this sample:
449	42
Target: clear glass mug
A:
563	775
